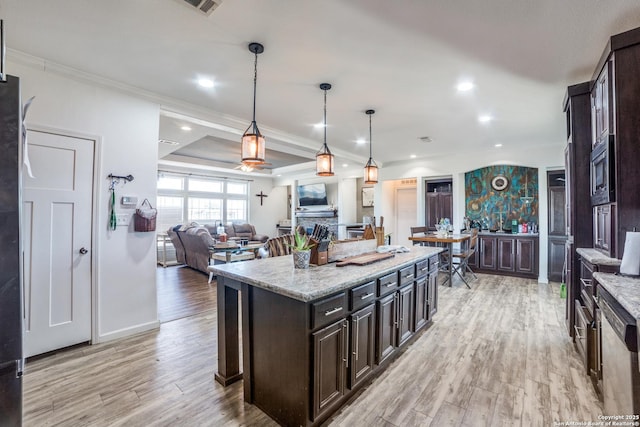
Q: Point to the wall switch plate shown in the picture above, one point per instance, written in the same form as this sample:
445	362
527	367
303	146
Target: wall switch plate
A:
123	219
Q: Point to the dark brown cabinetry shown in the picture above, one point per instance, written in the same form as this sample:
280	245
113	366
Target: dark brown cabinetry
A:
615	136
406	310
603	228
329	369
577	108
515	255
362	344
387	331
600	101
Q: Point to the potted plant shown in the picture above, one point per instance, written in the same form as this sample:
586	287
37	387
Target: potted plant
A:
301	250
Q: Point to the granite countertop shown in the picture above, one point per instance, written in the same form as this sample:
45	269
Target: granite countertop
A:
597	258
626	290
278	275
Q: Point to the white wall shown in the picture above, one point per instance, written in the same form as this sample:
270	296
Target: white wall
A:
273	209
125	261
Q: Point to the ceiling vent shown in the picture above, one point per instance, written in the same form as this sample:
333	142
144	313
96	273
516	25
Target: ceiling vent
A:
205	6
168	142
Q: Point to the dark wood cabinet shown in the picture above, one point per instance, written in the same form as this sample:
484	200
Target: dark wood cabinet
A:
329	366
438	205
422	303
526	255
600	111
515	255
577	108
362	344
487	253
432	294
386	311
616	132
603	227
406	298
506	255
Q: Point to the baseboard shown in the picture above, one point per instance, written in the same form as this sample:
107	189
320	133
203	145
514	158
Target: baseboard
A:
126	332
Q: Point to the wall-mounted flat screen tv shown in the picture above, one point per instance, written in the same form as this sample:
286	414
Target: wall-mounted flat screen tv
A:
312	195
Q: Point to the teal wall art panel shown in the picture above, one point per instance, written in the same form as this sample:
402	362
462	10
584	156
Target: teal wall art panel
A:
504	192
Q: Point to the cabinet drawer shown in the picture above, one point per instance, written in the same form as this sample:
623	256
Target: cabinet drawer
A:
328	310
407	275
422	268
582	330
387	284
362	295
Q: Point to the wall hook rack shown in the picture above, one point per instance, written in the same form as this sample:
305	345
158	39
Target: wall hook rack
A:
115	179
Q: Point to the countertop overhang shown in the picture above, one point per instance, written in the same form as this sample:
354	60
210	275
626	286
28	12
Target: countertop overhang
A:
626	290
278	275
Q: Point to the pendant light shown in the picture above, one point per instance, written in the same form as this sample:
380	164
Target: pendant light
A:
371	168
324	158
252	140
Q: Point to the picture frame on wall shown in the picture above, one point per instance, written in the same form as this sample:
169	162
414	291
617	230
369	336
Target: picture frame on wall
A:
367	197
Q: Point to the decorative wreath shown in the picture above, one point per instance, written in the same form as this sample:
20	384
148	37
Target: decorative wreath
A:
499	182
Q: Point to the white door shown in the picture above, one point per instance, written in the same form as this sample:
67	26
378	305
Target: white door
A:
56	233
406	214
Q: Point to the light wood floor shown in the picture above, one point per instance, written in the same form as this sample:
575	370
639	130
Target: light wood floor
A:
497	354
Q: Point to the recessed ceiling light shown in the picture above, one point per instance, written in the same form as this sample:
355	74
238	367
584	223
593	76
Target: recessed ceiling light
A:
345	165
465	86
204	82
413	156
318	125
485	118
361	141
498	145
185	128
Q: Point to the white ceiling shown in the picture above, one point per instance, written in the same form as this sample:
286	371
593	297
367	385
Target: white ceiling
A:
402	58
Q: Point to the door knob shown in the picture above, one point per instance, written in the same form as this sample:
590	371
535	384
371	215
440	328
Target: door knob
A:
83	251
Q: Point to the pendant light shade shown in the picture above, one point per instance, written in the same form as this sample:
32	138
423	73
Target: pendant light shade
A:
371	168
324	158
252	140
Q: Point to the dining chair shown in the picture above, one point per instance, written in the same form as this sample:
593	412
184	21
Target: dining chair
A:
417	232
461	266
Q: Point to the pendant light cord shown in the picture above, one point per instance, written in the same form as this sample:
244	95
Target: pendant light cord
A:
370	139
255	80
325	118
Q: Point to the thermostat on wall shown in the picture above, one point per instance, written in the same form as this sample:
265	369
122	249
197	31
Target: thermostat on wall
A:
129	201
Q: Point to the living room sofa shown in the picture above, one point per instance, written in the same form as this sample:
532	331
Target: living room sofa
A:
239	231
192	241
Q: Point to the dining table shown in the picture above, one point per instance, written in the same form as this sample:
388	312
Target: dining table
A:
443	239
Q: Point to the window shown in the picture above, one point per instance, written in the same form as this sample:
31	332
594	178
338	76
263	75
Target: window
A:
185	199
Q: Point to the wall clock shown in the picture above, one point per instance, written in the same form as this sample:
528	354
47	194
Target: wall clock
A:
499	182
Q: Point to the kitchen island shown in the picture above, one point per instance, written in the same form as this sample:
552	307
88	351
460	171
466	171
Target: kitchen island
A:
310	338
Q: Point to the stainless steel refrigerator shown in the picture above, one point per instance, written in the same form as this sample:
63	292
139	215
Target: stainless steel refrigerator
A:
11	359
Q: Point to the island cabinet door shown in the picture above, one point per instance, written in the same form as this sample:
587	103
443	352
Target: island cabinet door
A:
432	294
506	255
387	327
406	301
422	303
329	366
362	344
487	253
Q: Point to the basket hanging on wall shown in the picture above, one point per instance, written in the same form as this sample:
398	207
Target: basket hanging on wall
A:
145	218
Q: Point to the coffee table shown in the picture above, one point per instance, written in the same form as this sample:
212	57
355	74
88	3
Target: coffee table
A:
232	252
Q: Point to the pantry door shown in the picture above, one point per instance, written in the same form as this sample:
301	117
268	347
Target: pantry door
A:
57	241
406	213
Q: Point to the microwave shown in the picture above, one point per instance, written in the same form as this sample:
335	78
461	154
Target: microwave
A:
603	173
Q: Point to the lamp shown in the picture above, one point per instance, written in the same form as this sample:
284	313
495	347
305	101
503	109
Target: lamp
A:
252	140
371	168
324	158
